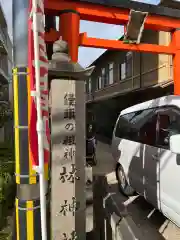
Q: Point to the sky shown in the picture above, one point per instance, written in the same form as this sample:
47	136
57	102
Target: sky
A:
99	30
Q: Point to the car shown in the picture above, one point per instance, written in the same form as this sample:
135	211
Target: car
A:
146	147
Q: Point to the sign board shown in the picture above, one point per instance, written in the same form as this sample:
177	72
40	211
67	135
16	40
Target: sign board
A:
68	160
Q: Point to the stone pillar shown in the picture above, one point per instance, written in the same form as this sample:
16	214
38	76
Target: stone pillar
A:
68	146
68	199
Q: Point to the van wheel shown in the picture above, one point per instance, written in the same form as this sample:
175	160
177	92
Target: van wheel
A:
124	187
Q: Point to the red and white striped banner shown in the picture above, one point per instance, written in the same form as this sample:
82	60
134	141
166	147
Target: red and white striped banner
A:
43	62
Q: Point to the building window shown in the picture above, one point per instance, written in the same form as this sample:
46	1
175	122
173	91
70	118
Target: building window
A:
90	85
123	71
103	79
111	75
99	82
129	65
87	86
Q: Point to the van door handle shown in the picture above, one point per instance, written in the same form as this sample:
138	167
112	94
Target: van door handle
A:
155	157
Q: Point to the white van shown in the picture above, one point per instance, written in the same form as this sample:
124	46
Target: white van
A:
146	145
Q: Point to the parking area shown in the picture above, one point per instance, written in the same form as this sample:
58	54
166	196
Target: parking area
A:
151	222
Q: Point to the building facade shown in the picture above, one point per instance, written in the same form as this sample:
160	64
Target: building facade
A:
121	79
5	79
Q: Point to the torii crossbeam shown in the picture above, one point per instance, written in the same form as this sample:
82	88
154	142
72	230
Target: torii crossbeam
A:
114	12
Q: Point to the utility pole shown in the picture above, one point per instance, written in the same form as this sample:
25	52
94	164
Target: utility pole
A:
27	206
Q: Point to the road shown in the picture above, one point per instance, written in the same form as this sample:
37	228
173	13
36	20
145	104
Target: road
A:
151	222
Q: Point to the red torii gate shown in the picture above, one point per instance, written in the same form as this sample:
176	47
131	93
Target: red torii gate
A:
71	12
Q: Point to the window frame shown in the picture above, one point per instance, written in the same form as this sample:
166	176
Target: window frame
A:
103	77
110	71
99	85
90	85
123	71
129	64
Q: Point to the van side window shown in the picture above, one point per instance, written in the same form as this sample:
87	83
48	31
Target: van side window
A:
168	125
129	124
148	131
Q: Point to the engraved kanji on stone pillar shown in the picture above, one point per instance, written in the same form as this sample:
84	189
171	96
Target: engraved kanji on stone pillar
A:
68	200
64	171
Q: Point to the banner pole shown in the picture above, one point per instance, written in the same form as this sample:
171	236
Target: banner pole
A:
40	125
27	221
